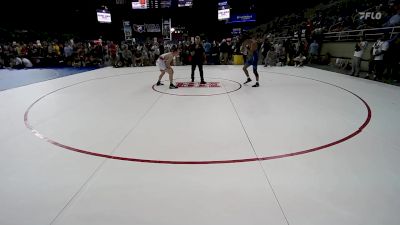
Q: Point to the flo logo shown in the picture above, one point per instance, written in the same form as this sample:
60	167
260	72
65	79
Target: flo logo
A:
372	15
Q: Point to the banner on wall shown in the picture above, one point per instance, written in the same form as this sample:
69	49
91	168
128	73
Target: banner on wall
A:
127	30
153	28
166	29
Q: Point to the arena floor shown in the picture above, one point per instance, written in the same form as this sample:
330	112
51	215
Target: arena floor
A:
107	147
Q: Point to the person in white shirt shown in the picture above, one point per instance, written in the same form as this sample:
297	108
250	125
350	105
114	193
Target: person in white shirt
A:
299	60
378	51
27	63
164	63
358	53
16	63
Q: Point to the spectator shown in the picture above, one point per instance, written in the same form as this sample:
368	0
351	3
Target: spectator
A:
215	53
313	51
395	19
27	63
224	50
112	51
271	58
358	53
299	60
207	49
156	52
1	58
16	62
392	58
68	52
127	57
378	51
265	47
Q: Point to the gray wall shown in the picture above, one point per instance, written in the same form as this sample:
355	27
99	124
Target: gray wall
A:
345	50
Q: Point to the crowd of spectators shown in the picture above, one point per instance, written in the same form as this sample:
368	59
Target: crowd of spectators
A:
296	39
100	53
303	32
335	16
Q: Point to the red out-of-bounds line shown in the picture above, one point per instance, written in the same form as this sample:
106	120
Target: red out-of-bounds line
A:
358	131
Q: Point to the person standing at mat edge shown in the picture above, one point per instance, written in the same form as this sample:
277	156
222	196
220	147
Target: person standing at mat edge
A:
252	60
164	62
198	57
358	53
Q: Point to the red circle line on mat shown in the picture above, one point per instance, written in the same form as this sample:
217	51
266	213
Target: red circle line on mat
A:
325	146
200	95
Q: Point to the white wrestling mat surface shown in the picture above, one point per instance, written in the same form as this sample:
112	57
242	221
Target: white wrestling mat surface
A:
106	147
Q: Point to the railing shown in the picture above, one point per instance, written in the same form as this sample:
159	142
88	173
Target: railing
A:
350	35
370	34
